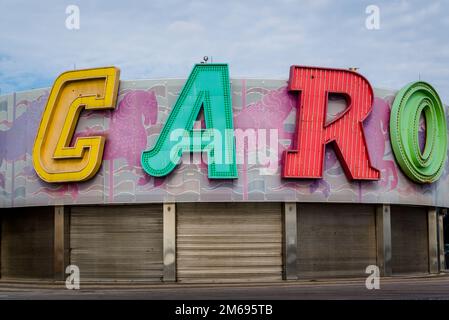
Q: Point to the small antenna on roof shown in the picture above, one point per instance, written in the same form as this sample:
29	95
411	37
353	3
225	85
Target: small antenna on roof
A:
205	59
354	69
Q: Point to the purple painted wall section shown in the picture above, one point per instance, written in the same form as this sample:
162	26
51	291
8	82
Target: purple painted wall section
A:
142	109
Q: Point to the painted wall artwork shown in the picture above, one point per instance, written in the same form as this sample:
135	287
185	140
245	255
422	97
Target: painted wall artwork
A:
141	111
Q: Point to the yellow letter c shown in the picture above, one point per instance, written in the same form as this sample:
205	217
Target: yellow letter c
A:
53	158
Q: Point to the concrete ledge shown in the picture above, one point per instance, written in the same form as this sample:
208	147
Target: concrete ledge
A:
132	285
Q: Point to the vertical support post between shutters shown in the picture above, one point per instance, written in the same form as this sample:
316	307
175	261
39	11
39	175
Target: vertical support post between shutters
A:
61	242
441	214
383	236
169	242
432	239
290	241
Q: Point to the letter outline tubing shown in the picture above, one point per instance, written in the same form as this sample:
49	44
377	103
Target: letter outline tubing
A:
411	101
208	86
345	133
53	158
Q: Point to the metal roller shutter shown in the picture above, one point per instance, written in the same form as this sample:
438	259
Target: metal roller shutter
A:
335	240
27	243
229	242
409	240
117	242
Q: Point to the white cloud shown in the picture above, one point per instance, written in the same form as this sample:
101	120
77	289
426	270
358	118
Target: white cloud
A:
185	27
157	39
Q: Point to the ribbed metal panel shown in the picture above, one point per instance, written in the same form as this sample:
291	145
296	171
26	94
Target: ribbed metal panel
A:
222	242
27	243
335	240
117	242
409	240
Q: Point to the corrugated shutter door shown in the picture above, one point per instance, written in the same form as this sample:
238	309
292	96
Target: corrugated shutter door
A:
229	242
335	240
27	243
409	240
117	242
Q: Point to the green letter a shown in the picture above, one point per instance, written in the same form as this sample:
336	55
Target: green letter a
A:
208	86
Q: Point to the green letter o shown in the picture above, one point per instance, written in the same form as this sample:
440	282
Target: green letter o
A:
410	102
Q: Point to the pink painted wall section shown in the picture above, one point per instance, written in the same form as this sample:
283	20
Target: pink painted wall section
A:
143	107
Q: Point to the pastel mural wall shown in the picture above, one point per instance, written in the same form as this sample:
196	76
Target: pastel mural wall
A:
141	111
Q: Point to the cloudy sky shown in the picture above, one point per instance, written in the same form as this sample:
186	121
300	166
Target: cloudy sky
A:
160	39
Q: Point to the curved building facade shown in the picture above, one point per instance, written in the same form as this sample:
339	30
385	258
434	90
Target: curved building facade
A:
124	224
